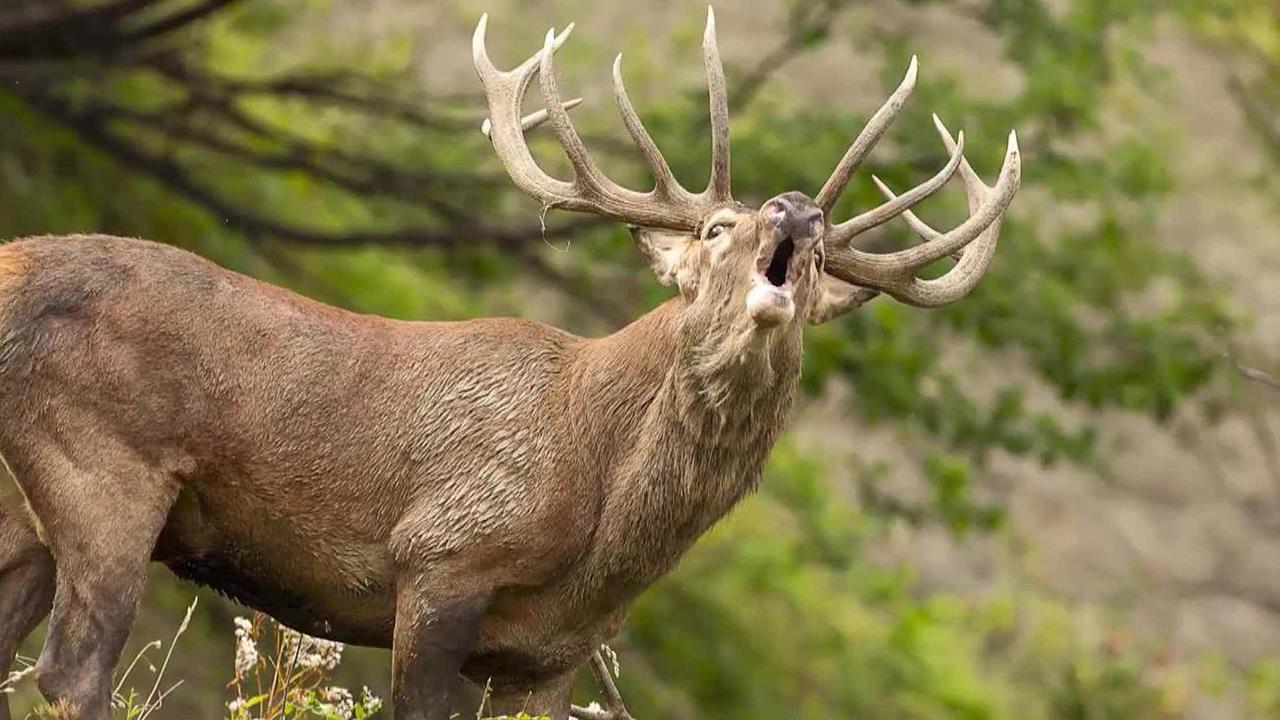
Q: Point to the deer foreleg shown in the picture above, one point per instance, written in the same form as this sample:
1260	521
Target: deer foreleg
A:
434	632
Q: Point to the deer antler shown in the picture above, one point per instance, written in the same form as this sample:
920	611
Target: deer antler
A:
668	205
867	140
894	273
532	120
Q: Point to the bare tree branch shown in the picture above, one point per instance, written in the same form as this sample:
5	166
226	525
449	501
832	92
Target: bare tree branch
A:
1258	376
337	88
174	176
1256	110
807	23
63	30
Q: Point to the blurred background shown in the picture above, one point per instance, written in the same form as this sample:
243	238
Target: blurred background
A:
1057	498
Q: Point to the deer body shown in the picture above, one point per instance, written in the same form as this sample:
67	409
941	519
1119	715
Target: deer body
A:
484	497
312	452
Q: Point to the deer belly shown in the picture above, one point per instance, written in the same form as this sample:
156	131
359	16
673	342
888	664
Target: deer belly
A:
514	660
333	589
365	620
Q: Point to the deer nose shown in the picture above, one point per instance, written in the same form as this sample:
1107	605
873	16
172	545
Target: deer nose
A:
795	216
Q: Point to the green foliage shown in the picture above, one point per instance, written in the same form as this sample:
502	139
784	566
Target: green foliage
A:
780	612
806	627
1264	688
1104	314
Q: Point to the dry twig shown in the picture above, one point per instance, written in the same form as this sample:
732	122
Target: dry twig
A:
614	708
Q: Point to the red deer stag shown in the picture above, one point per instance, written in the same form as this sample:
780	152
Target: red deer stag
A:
485	498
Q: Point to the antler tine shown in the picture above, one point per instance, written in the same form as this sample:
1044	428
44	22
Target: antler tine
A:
504	91
589	178
921	228
962	278
532	120
665	181
973	184
844	233
894	273
718	184
522	74
867	140
669	206
974	187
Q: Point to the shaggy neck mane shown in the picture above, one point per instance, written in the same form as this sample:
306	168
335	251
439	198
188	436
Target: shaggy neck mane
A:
711	396
726	372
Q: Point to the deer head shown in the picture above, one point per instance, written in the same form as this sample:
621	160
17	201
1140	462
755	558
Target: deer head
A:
784	262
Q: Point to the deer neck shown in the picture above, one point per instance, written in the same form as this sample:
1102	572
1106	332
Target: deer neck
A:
695	432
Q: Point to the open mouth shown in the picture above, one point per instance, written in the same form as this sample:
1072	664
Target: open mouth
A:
776	272
769	301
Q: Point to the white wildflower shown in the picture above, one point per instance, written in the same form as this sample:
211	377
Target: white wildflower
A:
311	653
371	703
337	702
246	647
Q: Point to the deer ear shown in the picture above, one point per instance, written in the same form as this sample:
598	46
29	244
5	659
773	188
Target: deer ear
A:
667	253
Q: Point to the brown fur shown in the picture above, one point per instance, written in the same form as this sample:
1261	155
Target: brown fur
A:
13	264
484	496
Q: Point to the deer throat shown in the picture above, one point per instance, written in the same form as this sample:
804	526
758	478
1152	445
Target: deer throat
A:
697	445
735	381
725	404
698	455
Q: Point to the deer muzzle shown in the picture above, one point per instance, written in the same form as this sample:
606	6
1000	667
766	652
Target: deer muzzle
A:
792	225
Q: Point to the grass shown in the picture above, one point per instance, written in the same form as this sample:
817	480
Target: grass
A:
279	674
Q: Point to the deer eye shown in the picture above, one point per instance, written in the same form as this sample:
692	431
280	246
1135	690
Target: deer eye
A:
716	230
